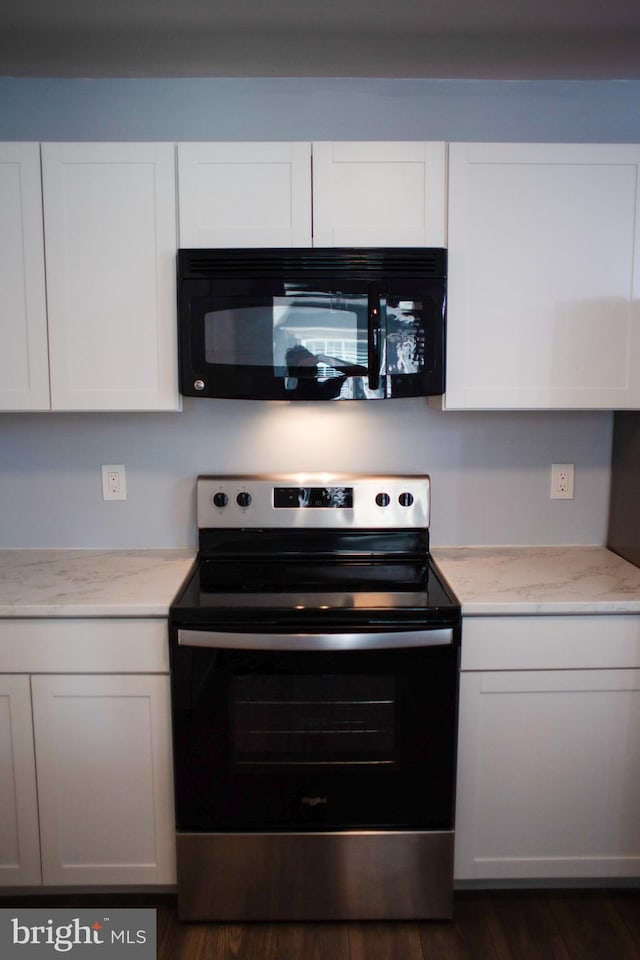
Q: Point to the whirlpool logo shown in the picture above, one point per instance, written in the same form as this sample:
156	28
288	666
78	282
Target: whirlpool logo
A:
110	933
314	801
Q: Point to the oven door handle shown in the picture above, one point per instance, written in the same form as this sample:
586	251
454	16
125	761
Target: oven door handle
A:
380	640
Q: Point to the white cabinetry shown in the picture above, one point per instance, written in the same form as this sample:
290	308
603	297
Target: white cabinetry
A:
244	194
263	194
104	808
24	361
110	236
379	194
102	752
544	276
549	752
19	846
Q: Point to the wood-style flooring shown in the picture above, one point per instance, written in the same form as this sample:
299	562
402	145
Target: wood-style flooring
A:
514	925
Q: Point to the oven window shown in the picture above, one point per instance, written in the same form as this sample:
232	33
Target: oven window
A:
313	719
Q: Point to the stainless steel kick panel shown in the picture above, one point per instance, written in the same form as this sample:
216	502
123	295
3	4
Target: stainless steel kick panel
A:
356	875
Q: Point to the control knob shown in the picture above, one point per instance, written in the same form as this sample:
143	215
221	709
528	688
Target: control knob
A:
243	499
383	499
405	499
220	499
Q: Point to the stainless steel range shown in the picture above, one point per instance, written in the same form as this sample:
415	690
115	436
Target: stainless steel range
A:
314	658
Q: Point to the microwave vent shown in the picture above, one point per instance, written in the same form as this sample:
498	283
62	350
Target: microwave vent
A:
365	262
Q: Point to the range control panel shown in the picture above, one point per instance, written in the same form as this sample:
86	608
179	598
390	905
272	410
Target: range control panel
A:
330	501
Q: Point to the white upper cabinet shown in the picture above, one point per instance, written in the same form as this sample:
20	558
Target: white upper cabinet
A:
263	194
24	361
244	194
544	276
379	194
110	237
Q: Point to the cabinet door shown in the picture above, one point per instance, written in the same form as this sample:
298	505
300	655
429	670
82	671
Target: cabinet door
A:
548	774
244	194
24	361
543	259
379	194
19	837
103	749
110	235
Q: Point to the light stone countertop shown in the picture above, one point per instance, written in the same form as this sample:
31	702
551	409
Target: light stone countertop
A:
551	580
91	583
486	580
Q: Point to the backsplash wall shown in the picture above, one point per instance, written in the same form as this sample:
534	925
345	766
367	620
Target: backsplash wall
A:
490	471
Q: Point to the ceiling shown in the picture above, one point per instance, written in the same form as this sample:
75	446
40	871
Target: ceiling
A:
479	39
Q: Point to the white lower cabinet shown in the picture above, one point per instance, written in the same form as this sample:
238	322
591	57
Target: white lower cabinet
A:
100	749
19	844
102	745
549	759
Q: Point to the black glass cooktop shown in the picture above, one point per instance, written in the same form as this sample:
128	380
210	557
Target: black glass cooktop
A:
340	592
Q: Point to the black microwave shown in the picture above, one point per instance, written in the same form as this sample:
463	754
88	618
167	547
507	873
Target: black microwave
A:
312	324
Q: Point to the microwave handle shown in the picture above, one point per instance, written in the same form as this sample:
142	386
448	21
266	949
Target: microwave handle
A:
374	335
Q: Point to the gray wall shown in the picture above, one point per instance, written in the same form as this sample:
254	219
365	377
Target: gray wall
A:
308	109
490	471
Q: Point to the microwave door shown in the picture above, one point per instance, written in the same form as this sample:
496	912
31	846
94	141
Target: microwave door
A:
322	340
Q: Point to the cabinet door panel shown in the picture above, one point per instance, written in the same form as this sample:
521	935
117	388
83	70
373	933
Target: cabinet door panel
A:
110	232
549	774
542	243
379	194
24	361
244	194
19	837
103	750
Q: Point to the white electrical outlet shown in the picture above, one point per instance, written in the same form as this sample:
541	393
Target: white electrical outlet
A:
114	481
561	481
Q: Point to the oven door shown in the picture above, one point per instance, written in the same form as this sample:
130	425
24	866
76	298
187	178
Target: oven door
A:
286	732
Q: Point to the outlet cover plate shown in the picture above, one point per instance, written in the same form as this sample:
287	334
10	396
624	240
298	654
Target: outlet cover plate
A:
114	481
561	481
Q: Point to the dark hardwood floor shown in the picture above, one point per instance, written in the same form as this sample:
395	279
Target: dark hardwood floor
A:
515	925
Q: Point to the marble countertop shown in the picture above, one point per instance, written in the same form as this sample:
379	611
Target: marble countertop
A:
520	580
487	580
90	583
